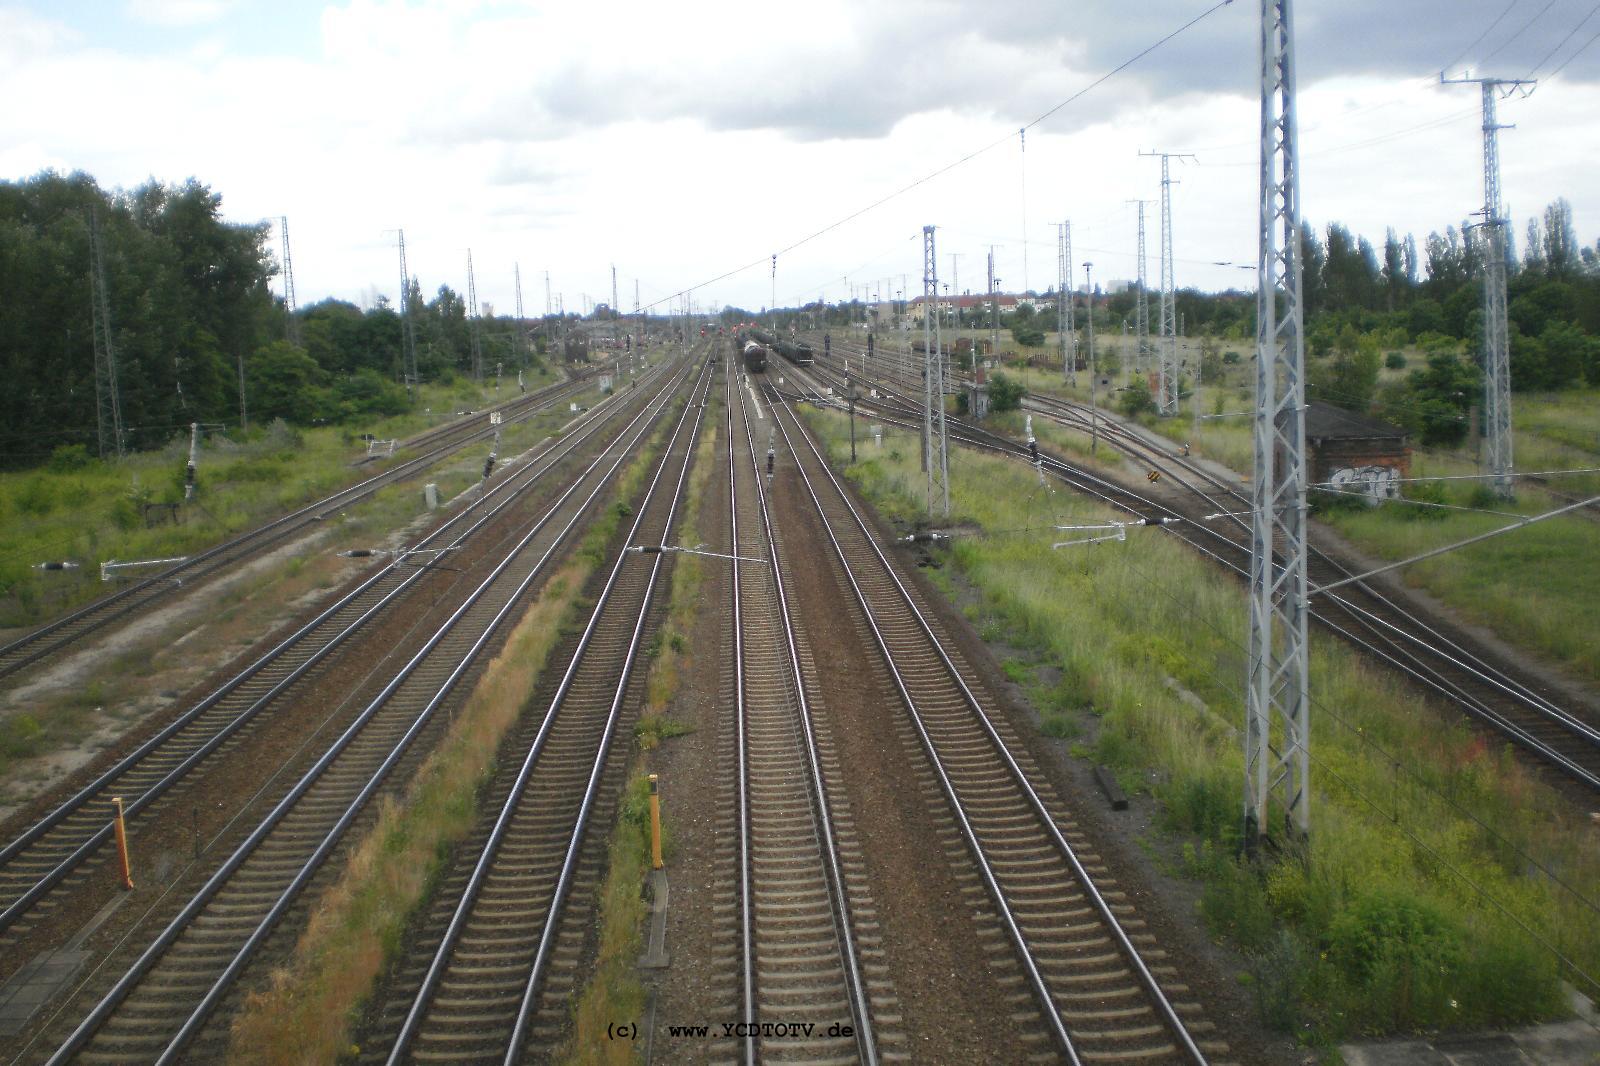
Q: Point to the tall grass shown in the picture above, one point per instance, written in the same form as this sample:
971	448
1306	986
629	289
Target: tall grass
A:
1426	840
89	511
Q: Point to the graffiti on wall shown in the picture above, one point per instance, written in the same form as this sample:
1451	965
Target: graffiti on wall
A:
1375	482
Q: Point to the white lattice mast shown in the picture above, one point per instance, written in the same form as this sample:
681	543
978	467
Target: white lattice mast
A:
1277	694
1066	299
108	394
408	330
1167	350
1141	307
288	279
935	442
472	321
1496	329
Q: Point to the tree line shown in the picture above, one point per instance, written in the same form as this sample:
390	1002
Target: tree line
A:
191	315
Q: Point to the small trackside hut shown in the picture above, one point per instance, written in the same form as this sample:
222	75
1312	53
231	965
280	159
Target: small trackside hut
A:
1352	453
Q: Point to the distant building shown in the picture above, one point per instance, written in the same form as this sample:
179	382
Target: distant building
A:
1355	454
971	306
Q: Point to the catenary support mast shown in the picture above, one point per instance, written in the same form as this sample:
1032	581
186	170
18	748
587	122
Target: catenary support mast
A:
1276	693
1496	329
108	394
935	441
1066	298
1167	391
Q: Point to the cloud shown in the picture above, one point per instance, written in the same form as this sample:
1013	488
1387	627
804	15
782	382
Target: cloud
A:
179	12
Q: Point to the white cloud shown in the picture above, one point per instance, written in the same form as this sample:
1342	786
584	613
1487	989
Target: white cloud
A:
179	12
681	143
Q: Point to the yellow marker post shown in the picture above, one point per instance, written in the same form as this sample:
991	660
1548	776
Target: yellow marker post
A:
655	825
122	845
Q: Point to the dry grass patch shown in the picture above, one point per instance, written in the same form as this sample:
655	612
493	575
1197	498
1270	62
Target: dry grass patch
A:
309	1010
614	993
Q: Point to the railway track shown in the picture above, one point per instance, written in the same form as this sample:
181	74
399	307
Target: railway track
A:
66	632
1097	980
489	978
1489	689
803	920
165	1006
69	836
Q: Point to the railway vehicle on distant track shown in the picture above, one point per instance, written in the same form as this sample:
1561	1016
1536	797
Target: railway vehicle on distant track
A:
748	345
797	352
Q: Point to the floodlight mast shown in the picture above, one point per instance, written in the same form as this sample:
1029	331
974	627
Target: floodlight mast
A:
1277	682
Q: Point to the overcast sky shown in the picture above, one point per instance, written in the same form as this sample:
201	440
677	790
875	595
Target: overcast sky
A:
682	142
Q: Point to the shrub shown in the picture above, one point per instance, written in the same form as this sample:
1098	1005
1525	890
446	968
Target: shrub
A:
1402	953
1136	399
1395	361
1424	492
69	457
1005	394
36	496
1027	336
1230	357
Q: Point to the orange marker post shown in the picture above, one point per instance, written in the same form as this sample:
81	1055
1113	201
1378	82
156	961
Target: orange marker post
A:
655	825
122	845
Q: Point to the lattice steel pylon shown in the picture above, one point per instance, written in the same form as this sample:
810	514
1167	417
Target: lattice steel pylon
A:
936	444
1277	695
408	330
108	394
1066	326
1496	329
288	280
1167	352
522	329
472	321
1141	309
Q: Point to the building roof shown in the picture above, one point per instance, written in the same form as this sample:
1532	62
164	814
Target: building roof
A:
1327	422
970	300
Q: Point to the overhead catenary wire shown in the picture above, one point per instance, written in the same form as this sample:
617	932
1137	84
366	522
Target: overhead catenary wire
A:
1533	72
1480	38
1501	47
941	171
1581	49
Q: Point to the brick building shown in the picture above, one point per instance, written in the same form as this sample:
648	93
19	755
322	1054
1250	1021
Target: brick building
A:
1354	453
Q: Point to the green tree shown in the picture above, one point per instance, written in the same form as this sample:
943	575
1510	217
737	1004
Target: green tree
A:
286	383
1005	393
1434	401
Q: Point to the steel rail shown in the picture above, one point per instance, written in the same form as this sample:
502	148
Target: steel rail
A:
1435	643
510	489
14	656
485	862
147	960
1036	980
866	1037
747	932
